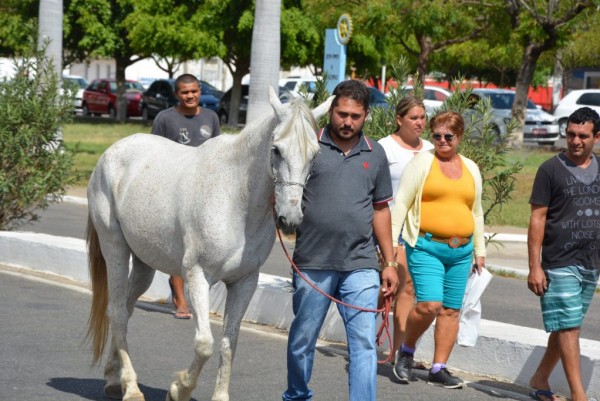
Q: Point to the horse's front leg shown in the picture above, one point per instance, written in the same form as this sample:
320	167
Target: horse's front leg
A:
186	381
239	295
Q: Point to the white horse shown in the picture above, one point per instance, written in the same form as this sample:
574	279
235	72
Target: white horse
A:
204	213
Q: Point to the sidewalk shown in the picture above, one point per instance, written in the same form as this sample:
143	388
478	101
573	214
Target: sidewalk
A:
507	253
503	351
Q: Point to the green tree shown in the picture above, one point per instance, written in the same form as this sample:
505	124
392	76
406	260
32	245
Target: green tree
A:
97	28
583	50
169	32
386	29
538	26
17	24
35	167
230	22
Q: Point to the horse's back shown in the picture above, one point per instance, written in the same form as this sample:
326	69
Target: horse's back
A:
146	162
163	197
132	190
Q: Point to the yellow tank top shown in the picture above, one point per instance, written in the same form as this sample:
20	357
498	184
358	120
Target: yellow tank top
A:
447	204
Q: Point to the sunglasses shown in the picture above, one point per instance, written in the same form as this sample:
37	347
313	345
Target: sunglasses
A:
438	137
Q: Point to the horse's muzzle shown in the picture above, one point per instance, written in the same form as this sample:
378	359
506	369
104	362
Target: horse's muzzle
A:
285	226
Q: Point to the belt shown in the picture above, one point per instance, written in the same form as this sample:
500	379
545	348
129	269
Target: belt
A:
453	242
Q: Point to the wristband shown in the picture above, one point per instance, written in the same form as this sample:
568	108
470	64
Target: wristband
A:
390	264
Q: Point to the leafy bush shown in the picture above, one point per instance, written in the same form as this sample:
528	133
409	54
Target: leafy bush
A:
35	166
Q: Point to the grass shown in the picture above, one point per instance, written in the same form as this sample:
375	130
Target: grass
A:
90	140
516	211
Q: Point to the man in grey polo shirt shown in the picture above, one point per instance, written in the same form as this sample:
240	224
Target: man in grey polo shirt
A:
344	205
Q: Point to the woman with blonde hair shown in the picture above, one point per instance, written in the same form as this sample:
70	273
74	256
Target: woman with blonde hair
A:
438	208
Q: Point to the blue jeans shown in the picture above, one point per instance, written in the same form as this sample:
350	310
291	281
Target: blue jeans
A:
358	287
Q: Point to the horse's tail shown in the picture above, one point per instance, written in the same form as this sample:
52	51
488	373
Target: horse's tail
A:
98	322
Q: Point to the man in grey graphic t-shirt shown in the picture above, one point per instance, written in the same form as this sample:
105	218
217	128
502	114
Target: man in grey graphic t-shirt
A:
564	249
188	124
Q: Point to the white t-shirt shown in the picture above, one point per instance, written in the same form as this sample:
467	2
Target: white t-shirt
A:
398	157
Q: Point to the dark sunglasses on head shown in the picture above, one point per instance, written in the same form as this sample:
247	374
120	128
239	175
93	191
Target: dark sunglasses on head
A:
447	137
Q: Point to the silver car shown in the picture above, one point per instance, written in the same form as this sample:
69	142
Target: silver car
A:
540	127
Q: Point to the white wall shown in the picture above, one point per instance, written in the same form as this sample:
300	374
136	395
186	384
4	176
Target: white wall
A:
212	71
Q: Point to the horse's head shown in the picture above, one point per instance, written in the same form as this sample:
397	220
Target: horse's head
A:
295	146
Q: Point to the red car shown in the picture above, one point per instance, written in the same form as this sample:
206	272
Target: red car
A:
100	97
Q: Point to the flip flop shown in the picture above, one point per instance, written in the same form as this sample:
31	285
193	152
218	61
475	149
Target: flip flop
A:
183	314
538	394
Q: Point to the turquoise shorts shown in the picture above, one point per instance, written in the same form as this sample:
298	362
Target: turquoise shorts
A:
439	273
567	299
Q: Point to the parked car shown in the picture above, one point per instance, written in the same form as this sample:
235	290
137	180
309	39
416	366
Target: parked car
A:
208	89
226	101
377	98
540	127
574	100
433	97
296	86
79	83
161	95
100	97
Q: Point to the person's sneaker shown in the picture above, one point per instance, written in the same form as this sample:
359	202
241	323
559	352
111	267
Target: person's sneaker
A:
445	379
403	367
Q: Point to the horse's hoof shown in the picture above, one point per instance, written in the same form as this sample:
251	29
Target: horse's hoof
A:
113	392
135	398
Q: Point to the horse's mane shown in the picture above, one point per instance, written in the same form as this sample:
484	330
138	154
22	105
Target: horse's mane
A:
302	125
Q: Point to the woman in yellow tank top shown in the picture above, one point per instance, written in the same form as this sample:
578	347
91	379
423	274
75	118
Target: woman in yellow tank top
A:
438	204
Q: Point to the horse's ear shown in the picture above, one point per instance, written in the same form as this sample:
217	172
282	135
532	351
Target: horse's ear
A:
323	108
276	103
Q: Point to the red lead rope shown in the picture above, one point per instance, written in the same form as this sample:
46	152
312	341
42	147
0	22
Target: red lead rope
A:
384	330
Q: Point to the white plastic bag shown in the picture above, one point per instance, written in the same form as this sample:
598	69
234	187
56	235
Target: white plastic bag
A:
470	313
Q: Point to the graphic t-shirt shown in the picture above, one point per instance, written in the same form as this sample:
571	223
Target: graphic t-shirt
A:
187	130
572	195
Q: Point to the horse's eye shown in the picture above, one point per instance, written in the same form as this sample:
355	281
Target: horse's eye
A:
275	150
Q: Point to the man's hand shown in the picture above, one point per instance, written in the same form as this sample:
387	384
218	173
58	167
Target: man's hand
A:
389	281
536	280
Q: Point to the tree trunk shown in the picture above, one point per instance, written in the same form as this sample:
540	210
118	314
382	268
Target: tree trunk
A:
264	58
242	68
234	101
122	64
426	47
51	32
524	79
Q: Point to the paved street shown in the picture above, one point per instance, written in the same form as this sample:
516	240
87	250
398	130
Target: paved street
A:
43	325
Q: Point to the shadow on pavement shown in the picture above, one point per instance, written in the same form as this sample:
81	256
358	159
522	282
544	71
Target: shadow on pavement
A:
93	389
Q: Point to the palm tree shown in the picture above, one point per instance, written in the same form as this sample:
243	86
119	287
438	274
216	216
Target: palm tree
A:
264	57
50	33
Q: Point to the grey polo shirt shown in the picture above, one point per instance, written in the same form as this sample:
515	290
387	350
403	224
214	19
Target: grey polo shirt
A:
336	232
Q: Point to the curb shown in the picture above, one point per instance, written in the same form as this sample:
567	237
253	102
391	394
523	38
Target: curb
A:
503	351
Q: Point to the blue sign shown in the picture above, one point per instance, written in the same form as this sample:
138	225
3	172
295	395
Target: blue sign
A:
335	59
